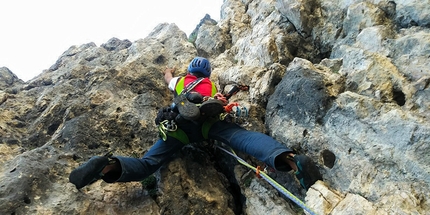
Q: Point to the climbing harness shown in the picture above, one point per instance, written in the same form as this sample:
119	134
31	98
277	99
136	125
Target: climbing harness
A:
169	128
166	121
272	182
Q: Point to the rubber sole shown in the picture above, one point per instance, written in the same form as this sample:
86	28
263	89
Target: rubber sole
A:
187	110
211	107
88	172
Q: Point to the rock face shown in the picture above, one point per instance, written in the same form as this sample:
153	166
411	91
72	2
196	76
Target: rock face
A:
345	82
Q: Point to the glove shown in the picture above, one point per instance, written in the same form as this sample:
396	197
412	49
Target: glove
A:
165	113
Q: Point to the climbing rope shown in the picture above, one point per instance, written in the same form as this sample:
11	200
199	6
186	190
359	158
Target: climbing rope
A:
272	182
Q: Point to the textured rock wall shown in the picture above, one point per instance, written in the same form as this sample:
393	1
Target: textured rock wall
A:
345	82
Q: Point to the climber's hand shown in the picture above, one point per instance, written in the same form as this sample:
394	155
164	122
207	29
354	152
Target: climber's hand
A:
170	70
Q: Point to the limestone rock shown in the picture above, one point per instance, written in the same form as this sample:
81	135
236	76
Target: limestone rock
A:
362	15
191	185
322	205
116	44
302	14
301	95
207	20
412	13
345	82
8	79
211	41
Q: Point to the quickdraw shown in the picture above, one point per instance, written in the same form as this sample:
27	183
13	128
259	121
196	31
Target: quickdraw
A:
240	112
236	113
228	108
166	126
257	172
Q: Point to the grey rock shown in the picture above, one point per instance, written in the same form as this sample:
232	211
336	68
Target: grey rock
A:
345	82
8	79
300	96
116	44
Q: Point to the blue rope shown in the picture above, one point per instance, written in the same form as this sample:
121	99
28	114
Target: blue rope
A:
272	182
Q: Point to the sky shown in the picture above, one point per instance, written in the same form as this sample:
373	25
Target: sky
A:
34	33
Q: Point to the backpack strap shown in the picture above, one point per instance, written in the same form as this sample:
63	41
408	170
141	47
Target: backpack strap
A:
190	86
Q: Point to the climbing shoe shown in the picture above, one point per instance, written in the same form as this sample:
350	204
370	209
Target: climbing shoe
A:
89	172
307	173
211	107
187	110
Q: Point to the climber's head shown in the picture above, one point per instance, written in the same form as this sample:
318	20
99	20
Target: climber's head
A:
200	67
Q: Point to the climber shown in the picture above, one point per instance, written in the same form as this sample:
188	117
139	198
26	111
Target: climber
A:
192	129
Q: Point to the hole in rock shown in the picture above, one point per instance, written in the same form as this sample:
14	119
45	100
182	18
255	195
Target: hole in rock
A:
27	200
52	128
160	59
399	97
305	133
329	158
